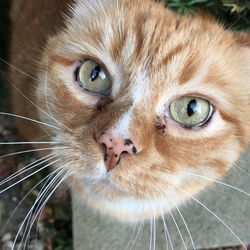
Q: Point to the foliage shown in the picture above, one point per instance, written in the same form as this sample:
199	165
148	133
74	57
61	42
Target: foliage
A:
60	229
233	14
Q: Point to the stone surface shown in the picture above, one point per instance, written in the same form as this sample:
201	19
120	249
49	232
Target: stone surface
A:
95	232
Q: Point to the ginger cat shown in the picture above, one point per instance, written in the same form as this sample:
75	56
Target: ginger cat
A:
137	99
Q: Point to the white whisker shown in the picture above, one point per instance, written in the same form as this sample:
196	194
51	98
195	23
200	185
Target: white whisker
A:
151	233
27	216
154	231
29	119
137	235
190	236
21	93
27	168
27	143
215	215
41	213
172	200
178	229
15	68
40	200
130	240
218	182
166	231
47	165
49	135
59	123
244	171
30	151
19	204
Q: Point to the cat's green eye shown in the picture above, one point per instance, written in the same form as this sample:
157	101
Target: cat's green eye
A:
94	78
190	111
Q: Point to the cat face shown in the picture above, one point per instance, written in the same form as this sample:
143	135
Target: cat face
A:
148	100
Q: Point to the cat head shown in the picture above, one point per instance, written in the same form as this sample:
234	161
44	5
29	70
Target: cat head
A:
149	100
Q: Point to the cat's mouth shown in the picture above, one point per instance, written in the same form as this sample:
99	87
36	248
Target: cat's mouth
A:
106	197
103	188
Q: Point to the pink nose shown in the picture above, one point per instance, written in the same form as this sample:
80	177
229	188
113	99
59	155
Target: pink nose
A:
114	148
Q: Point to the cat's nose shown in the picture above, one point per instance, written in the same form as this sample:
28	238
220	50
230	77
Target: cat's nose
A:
114	148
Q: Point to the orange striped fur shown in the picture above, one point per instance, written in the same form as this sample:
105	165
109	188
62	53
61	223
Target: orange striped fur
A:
153	56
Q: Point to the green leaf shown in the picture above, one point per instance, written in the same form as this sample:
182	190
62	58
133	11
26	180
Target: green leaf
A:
234	14
192	2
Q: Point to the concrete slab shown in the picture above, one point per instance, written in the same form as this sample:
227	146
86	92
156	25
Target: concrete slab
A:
93	231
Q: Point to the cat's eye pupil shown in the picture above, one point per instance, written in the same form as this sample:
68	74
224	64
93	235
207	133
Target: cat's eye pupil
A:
190	111
192	107
92	77
95	73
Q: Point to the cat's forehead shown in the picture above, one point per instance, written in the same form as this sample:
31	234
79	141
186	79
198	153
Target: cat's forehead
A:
148	50
137	27
140	38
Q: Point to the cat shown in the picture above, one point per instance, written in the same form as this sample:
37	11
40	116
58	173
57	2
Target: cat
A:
142	106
